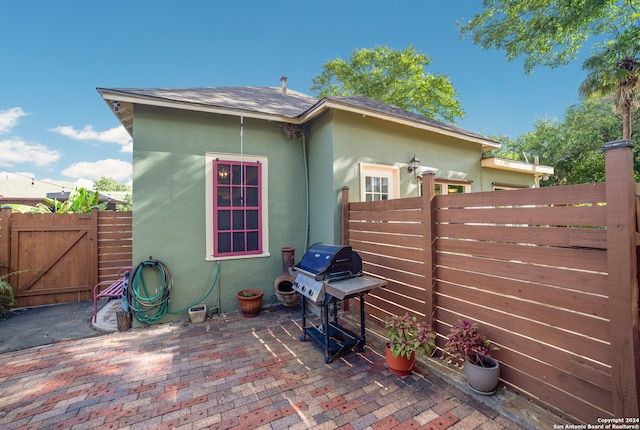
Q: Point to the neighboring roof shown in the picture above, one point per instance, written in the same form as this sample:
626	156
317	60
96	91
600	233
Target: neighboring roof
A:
270	103
26	188
36	190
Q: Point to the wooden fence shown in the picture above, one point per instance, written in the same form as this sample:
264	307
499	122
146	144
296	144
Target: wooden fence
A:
60	257
550	274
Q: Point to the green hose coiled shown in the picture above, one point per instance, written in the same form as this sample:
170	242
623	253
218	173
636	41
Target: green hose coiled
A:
149	307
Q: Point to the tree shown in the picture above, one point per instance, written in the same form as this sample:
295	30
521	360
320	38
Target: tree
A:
549	32
390	76
110	184
573	145
615	71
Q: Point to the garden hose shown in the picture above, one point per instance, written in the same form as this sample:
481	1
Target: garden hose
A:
148	307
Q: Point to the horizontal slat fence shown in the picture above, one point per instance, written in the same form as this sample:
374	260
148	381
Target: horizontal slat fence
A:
115	241
531	267
546	306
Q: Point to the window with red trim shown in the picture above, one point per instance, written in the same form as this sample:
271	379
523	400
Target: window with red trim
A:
237	211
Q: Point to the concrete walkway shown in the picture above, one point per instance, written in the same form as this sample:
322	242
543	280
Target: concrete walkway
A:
228	372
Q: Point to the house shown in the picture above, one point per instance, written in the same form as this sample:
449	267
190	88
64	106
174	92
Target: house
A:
233	174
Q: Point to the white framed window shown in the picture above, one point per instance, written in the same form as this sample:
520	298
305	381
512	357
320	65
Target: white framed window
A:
236	206
450	186
499	186
379	182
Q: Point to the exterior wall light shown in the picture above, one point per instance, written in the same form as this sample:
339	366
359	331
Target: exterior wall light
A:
414	163
116	106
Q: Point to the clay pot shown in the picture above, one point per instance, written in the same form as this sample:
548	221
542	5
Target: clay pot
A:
400	365
250	302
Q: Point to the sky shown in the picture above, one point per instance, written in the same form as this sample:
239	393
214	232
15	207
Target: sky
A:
54	54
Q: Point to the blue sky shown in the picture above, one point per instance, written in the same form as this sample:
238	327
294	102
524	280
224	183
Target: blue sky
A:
54	125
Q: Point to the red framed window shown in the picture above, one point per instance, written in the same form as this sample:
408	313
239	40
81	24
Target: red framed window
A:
237	211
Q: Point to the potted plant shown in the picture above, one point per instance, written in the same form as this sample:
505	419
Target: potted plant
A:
407	338
468	343
250	302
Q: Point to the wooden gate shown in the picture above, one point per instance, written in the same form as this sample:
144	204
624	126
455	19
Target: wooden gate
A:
56	255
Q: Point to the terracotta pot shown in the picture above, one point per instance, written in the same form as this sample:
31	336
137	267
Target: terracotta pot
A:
483	380
401	366
250	302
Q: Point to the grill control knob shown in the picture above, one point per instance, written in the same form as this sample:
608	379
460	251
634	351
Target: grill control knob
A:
311	292
304	288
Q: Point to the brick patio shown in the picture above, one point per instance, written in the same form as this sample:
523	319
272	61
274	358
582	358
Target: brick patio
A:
228	372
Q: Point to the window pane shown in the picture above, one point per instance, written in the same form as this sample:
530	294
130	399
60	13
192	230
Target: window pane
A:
384	185
252	196
224	242
237	197
224	171
223	196
368	185
252	241
252	220
235	174
376	185
251	175
238	220
453	189
238	242
224	220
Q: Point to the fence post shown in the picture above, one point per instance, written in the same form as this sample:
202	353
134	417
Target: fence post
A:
95	248
428	193
5	240
622	278
345	215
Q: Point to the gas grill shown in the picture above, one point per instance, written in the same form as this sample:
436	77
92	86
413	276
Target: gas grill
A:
328	275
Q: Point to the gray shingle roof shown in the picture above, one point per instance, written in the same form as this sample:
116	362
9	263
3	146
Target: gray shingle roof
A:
269	100
272	101
374	105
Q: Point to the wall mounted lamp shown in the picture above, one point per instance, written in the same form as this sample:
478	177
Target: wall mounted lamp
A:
414	163
116	105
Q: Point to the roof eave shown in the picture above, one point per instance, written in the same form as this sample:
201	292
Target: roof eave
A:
517	166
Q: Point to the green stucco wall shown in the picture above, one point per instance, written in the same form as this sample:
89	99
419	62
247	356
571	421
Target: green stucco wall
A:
339	141
169	188
169	197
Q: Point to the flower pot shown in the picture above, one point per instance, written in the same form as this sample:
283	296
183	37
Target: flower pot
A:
482	380
198	313
250	302
400	365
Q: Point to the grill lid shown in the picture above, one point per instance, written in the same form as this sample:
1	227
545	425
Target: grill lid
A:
330	262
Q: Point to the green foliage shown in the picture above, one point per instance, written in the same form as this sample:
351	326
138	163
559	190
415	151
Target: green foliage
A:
7	299
80	201
110	184
573	146
406	335
549	32
615	71
394	77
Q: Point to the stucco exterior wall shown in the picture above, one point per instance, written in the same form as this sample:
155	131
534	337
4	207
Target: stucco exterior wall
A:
341	141
169	195
321	185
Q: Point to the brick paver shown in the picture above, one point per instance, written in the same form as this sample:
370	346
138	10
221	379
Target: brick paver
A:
226	373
